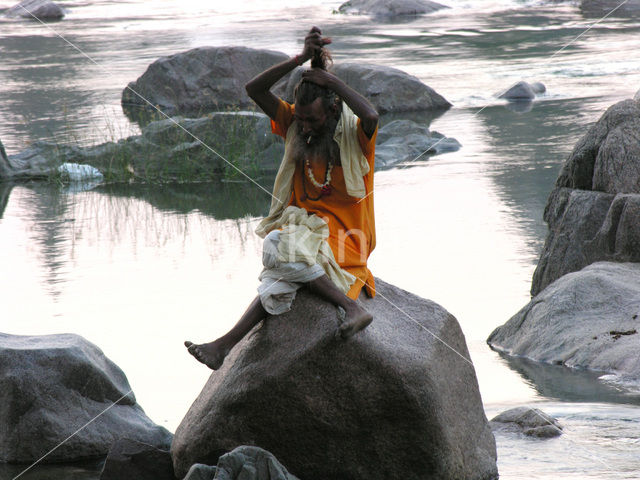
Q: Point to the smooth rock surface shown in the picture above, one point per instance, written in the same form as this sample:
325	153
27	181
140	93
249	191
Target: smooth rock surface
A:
200	80
636	97
51	386
586	319
392	402
129	459
40	9
390	8
388	89
532	422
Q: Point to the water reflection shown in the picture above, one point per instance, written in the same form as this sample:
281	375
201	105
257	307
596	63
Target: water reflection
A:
568	384
77	471
50	228
221	200
529	149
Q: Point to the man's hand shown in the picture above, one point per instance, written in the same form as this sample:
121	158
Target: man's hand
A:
320	77
313	42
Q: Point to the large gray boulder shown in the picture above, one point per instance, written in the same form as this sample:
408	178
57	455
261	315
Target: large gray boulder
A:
390	8
398	400
388	89
599	159
586	319
616	8
36	10
585	223
200	80
636	97
54	385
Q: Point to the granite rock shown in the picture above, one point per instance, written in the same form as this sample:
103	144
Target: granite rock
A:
53	385
398	400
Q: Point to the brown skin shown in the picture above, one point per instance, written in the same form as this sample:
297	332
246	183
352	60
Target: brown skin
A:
312	120
259	88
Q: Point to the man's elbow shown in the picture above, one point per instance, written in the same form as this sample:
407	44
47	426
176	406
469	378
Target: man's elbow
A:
370	121
250	88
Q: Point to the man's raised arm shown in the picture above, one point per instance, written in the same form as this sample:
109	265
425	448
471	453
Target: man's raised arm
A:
259	88
357	103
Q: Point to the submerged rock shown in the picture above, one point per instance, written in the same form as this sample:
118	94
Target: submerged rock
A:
528	421
200	80
523	91
398	400
390	8
404	141
586	319
388	89
54	385
36	10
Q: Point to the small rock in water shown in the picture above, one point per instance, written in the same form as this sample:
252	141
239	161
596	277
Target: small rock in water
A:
529	421
390	8
36	10
521	91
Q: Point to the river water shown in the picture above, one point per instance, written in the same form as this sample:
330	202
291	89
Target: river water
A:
138	269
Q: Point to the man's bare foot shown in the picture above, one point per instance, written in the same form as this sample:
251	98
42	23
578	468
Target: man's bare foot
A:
211	354
356	319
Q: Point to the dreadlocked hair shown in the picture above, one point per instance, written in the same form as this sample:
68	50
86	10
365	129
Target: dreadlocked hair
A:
307	92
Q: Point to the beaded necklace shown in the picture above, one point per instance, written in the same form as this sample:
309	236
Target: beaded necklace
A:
325	188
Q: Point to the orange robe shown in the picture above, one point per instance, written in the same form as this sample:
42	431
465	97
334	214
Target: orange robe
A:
352	230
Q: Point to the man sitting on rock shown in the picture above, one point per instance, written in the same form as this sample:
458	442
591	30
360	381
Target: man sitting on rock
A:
320	229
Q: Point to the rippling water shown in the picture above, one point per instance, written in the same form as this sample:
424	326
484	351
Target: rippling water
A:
138	269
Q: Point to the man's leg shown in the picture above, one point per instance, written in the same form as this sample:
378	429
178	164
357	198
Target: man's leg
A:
212	354
356	319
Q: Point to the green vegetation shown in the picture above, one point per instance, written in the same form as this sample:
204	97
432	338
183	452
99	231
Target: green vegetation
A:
217	146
